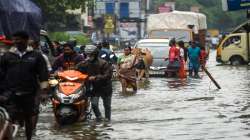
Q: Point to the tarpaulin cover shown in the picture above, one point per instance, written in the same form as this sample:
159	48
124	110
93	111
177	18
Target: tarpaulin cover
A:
176	20
16	15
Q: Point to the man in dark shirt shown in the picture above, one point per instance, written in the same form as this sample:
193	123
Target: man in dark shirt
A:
25	71
100	74
69	59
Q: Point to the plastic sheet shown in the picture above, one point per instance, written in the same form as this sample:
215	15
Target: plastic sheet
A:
177	20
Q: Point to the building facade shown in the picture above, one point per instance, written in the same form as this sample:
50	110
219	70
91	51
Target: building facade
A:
128	18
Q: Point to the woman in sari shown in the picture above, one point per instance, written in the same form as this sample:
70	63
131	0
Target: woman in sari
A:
126	70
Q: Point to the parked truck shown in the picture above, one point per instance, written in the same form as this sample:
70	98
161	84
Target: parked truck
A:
181	25
234	47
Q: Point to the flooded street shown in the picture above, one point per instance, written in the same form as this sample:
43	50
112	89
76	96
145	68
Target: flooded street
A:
171	109
46	44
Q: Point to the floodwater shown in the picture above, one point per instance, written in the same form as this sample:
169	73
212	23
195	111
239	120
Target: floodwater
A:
169	109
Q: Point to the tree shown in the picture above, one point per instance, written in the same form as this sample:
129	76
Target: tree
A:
54	12
208	3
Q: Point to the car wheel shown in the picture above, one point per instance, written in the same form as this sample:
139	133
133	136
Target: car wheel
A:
236	60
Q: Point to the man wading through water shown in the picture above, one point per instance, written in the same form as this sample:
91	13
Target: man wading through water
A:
100	74
23	69
194	59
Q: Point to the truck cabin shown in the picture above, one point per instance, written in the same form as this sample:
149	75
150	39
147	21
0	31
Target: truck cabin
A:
235	47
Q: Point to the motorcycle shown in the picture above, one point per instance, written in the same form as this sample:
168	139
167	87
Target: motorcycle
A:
69	100
7	130
172	69
175	69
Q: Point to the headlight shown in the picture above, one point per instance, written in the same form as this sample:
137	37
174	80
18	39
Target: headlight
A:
157	68
79	93
59	95
103	56
71	98
76	95
111	56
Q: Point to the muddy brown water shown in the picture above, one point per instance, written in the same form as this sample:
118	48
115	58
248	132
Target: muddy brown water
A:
169	109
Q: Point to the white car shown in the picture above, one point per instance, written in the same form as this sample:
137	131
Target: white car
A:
159	49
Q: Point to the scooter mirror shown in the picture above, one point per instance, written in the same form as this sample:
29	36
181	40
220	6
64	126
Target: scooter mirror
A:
53	82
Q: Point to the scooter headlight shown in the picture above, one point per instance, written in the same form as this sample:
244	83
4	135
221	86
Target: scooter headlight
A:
75	96
71	98
78	94
59	95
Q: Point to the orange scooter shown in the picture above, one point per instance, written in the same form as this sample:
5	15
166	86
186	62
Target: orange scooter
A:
70	103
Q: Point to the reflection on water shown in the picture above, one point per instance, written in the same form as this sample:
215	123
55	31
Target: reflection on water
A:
170	109
177	83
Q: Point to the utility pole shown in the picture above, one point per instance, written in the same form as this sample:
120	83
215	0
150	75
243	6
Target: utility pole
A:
247	30
139	22
147	8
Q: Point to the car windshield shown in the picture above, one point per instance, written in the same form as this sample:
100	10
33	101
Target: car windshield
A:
158	50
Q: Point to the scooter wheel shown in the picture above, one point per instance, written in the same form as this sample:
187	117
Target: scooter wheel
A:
3	115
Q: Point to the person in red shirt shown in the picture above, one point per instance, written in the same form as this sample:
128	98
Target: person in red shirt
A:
203	57
174	51
5	41
174	58
183	59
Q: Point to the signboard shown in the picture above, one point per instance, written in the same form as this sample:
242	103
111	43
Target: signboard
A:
232	5
171	4
167	7
100	9
90	21
109	25
128	30
164	9
134	9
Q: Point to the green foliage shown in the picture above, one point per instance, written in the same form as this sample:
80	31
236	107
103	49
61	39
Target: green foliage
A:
82	39
63	36
216	17
59	36
54	12
208	3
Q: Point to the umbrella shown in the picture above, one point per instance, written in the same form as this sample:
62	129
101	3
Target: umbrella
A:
16	15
